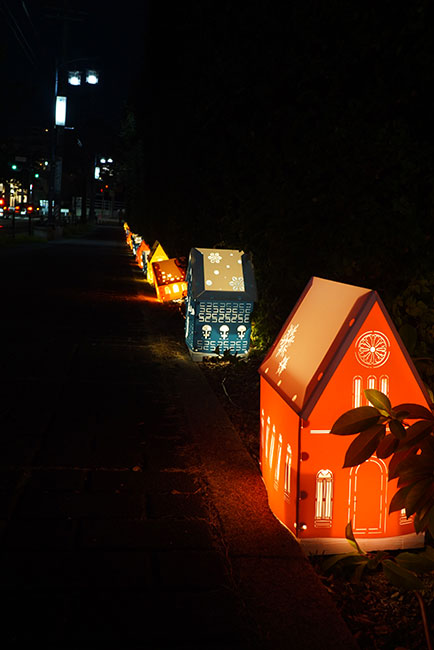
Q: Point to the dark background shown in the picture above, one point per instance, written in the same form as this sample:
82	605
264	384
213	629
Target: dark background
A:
298	131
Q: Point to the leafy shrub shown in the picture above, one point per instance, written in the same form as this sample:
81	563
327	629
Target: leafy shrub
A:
406	434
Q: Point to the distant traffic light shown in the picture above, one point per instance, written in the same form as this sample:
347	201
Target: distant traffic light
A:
14	166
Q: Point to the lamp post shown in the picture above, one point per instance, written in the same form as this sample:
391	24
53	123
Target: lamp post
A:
60	112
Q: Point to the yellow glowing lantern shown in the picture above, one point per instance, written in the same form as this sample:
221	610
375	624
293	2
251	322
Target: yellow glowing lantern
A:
169	279
156	254
337	341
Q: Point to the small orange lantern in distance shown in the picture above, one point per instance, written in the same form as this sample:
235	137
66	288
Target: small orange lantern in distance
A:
156	254
169	279
142	256
337	341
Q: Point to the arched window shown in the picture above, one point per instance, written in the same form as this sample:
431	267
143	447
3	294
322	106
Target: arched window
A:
272	443
357	392
384	384
267	433
287	482
279	457
323	499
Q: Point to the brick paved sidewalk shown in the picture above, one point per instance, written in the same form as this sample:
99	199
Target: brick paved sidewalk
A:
131	514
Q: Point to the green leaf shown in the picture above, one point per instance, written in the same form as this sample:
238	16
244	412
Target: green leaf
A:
358	572
416	562
387	446
416	433
343	559
358	419
399	415
397	428
398	499
415	411
352	540
418	495
378	399
374	561
396	460
400	577
364	445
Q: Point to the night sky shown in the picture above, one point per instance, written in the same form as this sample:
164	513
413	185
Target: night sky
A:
107	34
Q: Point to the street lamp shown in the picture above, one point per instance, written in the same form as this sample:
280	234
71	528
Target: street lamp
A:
74	79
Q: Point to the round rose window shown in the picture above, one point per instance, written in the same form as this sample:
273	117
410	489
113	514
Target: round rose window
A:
372	349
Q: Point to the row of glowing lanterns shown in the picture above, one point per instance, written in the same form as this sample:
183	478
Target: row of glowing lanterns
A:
166	274
337	340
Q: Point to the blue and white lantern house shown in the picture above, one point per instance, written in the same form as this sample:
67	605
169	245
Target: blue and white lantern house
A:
136	240
221	292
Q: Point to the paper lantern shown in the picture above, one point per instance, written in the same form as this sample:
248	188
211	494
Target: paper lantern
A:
136	240
221	292
156	254
142	256
169	279
337	341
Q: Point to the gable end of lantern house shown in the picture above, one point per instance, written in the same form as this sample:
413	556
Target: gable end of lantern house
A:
308	489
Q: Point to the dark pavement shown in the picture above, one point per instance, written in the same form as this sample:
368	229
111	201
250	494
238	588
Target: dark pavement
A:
131	515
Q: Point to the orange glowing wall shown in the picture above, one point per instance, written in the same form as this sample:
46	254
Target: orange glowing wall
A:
143	248
169	280
301	462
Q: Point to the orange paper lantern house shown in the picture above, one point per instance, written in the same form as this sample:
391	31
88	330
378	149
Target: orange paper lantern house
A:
169	279
338	340
157	254
142	256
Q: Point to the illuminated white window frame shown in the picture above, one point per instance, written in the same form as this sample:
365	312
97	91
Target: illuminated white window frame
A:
267	434
323	499
287	476
372	382
357	392
382	504
272	443
384	384
279	458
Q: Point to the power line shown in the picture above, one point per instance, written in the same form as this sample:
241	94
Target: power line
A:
18	33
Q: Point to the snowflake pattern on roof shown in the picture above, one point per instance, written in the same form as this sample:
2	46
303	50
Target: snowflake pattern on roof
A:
286	341
282	365
215	258
237	284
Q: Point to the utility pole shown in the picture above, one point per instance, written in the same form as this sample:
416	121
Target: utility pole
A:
66	15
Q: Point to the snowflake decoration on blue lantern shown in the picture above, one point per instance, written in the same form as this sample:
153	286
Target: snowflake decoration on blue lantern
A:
215	258
237	284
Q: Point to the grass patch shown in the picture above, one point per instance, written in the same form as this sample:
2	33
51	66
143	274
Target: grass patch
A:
19	239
